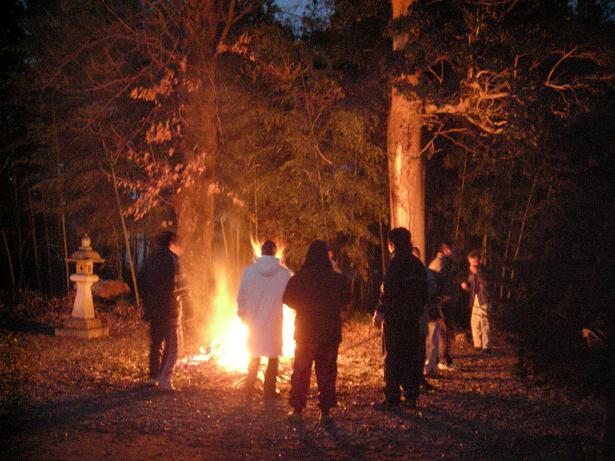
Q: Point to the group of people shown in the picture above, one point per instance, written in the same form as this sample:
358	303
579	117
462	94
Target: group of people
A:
413	311
414	295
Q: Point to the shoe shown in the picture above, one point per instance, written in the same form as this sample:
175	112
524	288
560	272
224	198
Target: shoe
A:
487	350
409	403
152	382
445	367
386	405
166	385
427	387
478	349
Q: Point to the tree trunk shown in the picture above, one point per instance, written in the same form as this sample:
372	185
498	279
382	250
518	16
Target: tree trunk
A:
196	207
406	164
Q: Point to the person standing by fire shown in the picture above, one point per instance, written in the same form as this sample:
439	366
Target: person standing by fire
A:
159	280
399	310
259	305
318	294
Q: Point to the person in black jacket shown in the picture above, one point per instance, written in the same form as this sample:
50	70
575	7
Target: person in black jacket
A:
161	309
399	311
481	299
318	294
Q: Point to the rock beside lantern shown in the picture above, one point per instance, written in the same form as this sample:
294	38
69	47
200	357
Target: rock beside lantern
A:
83	322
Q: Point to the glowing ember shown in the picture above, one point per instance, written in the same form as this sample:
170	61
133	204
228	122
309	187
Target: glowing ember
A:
229	347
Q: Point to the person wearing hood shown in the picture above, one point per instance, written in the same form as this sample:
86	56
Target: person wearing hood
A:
260	306
318	294
159	281
399	311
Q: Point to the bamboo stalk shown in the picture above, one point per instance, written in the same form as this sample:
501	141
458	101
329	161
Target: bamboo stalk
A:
382	256
48	246
56	148
131	264
461	189
8	255
34	238
118	254
507	249
523	225
237	260
65	244
18	228
226	250
255	213
525	216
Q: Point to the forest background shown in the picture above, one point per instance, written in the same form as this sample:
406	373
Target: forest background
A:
231	119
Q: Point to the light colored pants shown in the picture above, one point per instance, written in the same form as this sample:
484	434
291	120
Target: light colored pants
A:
480	327
431	347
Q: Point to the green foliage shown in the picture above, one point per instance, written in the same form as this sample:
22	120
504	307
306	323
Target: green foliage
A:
313	168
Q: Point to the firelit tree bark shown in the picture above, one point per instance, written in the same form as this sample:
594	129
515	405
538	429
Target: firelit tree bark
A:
406	164
195	205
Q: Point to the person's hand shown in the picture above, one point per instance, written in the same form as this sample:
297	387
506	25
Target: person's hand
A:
464	286
378	318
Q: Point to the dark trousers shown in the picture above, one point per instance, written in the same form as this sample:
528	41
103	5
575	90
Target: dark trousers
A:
403	368
163	349
324	357
271	375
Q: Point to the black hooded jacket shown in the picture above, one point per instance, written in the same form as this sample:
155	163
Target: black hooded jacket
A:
404	294
157	283
318	294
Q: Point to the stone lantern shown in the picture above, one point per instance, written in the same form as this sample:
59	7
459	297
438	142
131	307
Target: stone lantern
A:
82	323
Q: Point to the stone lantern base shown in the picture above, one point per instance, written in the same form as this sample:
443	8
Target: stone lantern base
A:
83	328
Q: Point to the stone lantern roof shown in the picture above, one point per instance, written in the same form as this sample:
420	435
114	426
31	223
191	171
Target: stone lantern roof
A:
85	252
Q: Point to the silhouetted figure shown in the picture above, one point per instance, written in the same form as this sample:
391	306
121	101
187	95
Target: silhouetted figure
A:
159	278
399	311
318	294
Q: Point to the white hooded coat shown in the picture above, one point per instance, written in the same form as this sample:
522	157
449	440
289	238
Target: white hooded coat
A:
260	304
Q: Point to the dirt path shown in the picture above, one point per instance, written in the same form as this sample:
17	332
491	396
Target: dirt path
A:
71	400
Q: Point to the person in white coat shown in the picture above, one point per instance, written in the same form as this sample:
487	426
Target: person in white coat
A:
260	306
